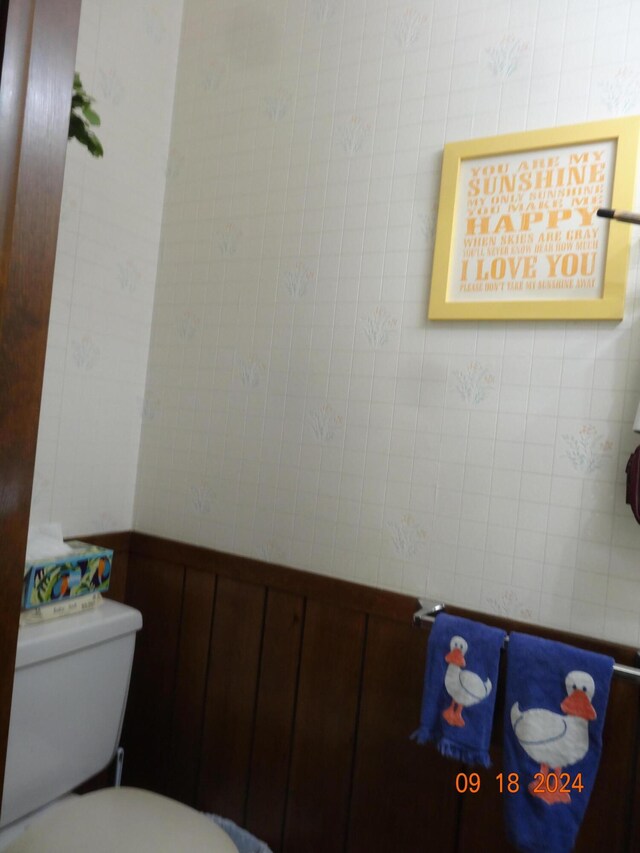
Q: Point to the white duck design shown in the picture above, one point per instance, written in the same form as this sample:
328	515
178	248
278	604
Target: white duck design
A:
465	688
553	740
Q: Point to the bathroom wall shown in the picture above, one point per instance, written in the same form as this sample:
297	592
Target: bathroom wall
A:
299	406
105	274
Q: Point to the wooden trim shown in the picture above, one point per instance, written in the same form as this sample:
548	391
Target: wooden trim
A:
119	541
13	96
4	12
347	594
35	90
366	599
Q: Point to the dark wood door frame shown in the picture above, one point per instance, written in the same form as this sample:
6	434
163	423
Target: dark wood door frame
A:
4	9
35	95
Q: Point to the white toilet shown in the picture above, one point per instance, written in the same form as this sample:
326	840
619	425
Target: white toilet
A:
69	696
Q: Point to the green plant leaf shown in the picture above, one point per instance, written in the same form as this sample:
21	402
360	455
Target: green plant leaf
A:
82	117
92	117
94	145
76	127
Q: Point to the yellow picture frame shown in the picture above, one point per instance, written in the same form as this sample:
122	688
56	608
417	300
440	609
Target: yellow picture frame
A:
517	236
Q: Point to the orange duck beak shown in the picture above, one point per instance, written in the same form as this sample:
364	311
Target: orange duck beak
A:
456	657
577	704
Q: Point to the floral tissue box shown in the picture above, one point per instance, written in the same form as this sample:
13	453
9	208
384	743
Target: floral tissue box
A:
87	569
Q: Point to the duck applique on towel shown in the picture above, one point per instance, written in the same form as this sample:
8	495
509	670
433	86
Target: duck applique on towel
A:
555	703
557	741
466	688
459	697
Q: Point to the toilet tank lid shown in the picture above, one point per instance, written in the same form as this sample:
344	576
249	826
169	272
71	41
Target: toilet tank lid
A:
37	643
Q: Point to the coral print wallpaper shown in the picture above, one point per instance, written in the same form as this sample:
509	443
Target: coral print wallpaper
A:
299	407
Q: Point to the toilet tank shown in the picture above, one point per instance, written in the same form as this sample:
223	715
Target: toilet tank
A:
69	695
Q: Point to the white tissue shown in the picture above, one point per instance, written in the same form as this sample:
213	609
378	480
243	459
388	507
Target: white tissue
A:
45	541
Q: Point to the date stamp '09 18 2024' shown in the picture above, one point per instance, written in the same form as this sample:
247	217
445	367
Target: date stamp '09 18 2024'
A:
542	784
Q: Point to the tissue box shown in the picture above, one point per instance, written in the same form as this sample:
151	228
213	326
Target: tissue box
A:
87	569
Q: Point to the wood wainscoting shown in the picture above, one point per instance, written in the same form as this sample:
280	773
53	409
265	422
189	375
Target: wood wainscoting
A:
284	700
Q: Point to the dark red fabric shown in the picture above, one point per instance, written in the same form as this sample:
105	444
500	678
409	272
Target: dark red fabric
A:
633	483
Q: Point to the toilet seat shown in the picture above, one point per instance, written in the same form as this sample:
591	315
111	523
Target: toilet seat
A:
127	820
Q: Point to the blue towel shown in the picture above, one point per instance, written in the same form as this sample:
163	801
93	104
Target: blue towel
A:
463	658
555	703
244	841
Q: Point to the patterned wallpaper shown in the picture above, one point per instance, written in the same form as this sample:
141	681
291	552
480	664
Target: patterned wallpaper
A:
298	405
105	270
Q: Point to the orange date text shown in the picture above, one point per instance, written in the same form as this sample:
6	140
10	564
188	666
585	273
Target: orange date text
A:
543	784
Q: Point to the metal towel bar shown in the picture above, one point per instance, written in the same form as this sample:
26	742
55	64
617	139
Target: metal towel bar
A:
429	610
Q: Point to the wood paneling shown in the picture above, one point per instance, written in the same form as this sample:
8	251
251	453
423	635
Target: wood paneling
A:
616	776
297	695
155	588
325	729
418	790
633	795
481	813
232	684
35	94
277	691
191	677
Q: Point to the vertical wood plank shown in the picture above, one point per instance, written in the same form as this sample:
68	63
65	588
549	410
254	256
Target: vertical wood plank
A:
155	588
633	839
402	793
234	660
191	675
614	784
325	727
274	717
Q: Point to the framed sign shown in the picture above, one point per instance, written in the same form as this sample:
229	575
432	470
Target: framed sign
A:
518	236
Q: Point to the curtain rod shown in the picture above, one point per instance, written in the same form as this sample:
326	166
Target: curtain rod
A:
429	609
